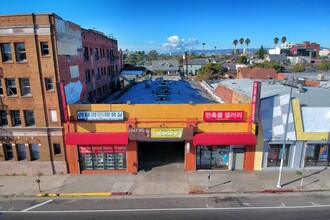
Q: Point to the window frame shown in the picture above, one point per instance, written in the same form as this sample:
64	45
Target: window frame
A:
8	151
53	112
21	152
4	53
49	86
9	87
1	88
25	87
44	50
20	54
28	117
3	118
85	54
57	149
15	118
33	152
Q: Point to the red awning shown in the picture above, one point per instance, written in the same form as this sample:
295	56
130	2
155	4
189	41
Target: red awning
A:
99	138
240	138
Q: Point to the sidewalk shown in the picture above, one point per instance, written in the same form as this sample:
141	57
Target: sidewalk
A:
163	183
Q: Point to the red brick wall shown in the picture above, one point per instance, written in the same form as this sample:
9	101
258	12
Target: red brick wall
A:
225	93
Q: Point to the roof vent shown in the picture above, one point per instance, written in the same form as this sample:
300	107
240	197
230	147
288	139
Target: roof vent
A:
320	77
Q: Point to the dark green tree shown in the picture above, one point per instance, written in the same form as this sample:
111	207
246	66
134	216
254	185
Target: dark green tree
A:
247	42
261	52
298	68
241	41
241	59
152	55
235	42
276	41
324	66
210	71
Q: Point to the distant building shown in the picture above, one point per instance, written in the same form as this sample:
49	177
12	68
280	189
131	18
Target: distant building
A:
194	65
256	73
324	52
47	63
276	57
165	66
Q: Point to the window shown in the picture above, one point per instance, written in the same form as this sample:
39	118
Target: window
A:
6	52
21	152
20	52
108	54
34	149
102	157
57	149
87	76
3	118
86	56
53	116
44	48
29	117
11	87
96	54
15	118
1	90
97	73
8	151
49	84
275	155
25	87
317	155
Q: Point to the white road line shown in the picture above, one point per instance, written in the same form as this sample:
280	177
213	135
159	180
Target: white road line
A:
11	209
246	203
35	206
175	209
283	204
207	206
315	204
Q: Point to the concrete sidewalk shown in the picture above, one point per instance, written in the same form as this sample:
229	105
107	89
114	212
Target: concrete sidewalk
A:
163	183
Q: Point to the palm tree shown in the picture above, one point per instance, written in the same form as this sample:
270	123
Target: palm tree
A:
283	39
247	41
241	41
235	42
203	48
276	41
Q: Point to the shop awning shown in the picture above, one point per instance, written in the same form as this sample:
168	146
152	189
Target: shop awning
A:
99	138
223	138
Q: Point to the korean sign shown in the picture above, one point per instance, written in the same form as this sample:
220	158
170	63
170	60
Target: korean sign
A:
100	115
223	115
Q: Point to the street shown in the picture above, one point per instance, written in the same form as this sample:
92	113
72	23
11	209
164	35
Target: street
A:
220	206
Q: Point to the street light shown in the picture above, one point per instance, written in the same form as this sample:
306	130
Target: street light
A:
285	136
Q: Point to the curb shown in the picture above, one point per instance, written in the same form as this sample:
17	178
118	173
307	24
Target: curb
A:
277	190
83	194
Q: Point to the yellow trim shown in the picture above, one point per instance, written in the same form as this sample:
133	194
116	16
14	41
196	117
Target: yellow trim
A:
301	135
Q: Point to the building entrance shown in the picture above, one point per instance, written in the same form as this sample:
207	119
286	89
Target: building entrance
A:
165	156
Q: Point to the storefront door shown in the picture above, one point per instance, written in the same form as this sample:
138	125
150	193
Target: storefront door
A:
238	159
212	157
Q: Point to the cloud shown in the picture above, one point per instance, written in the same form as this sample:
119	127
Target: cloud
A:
174	43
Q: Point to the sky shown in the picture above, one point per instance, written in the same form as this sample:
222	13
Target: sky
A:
181	25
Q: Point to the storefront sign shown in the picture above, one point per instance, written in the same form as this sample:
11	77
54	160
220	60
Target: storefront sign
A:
119	149
100	115
256	90
166	132
223	115
85	149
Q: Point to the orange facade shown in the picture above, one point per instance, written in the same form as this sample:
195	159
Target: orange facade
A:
204	132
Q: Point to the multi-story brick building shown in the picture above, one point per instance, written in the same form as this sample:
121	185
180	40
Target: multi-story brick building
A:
42	59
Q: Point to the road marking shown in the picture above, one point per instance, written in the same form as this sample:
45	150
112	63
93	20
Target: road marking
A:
315	204
283	204
207	206
11	209
36	206
246	203
175	209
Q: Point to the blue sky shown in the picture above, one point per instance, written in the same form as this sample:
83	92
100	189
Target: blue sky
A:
151	24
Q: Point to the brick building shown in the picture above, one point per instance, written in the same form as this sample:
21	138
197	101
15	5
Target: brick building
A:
42	68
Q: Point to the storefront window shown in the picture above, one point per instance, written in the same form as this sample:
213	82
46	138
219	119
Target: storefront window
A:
212	157
102	157
275	155
317	155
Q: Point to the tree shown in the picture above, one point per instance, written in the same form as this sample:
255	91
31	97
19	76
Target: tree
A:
276	41
235	42
298	68
152	55
209	71
261	52
242	59
268	65
241	41
283	40
247	41
325	65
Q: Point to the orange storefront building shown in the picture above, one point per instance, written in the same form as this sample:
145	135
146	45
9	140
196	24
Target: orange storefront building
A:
103	138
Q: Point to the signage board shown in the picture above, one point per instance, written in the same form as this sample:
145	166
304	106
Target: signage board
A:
256	90
100	115
166	132
223	116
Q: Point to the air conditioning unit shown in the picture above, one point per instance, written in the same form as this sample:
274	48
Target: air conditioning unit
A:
320	77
